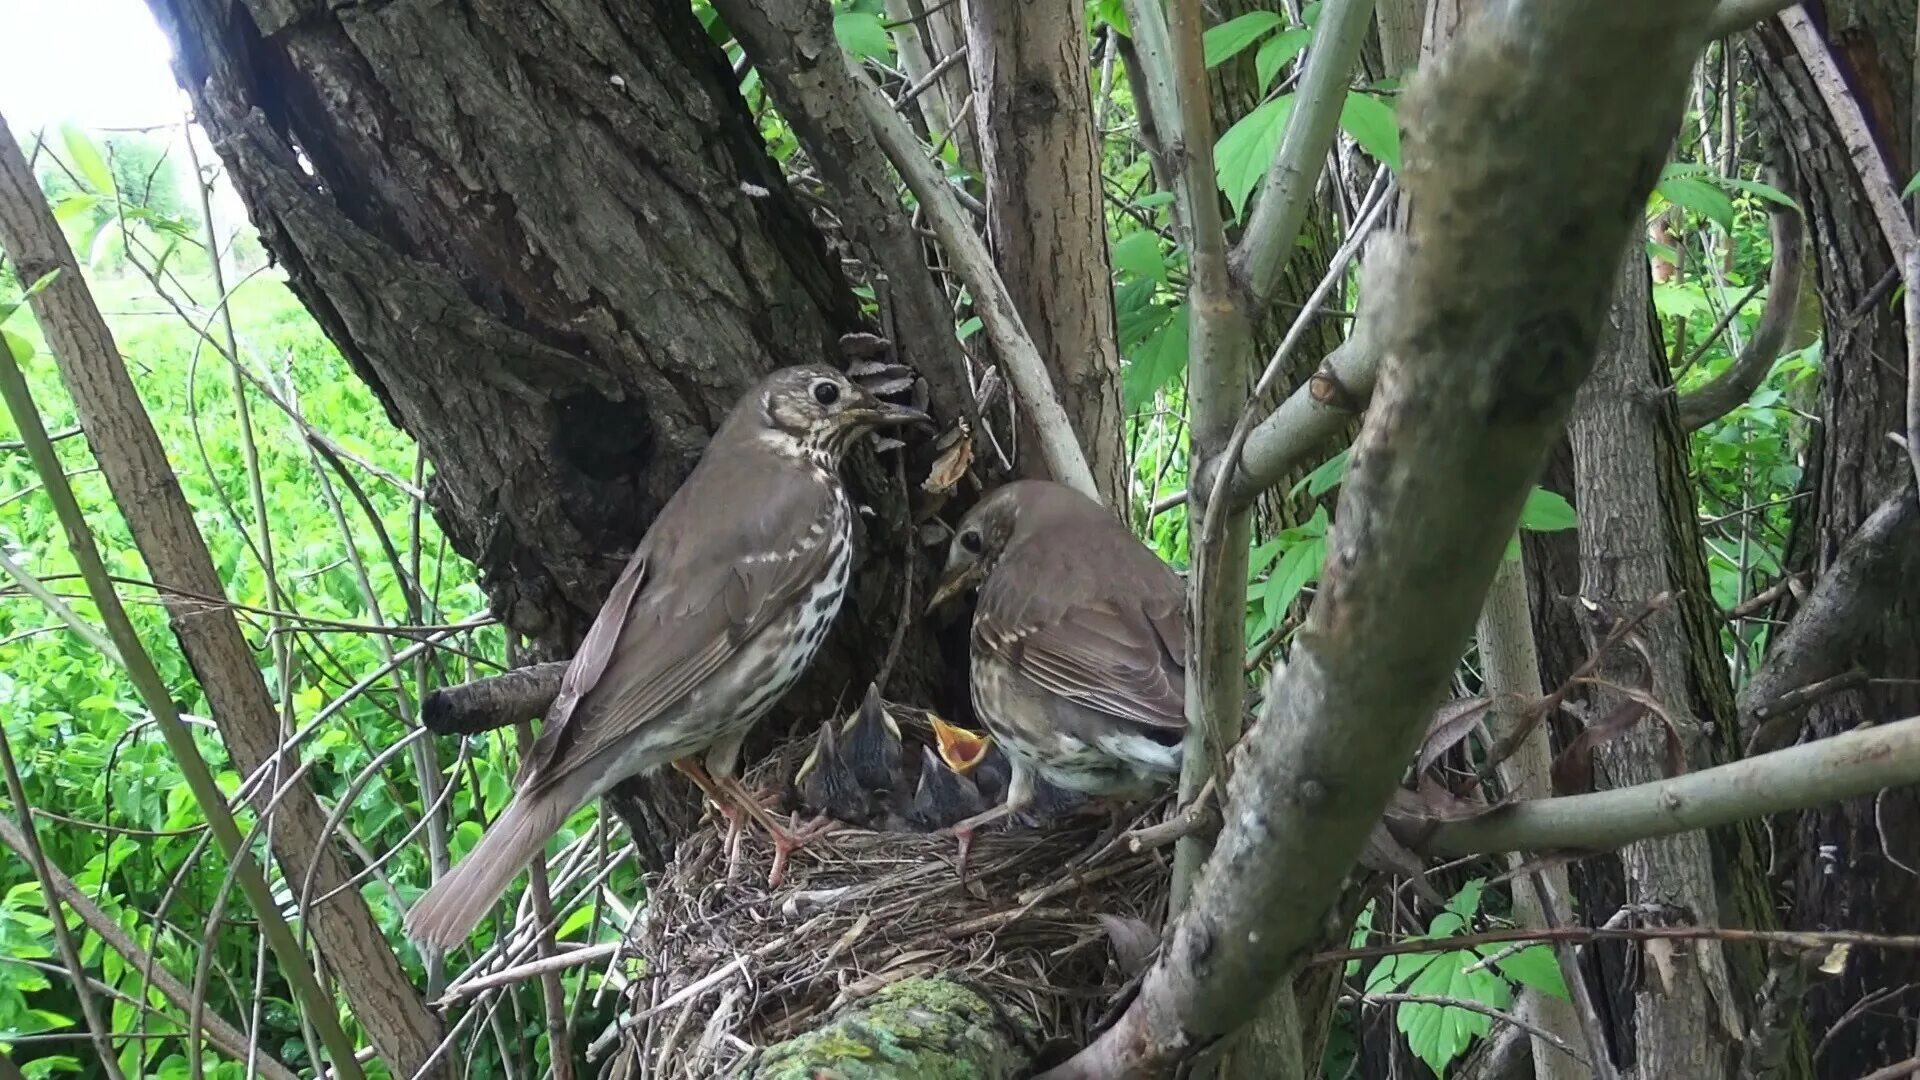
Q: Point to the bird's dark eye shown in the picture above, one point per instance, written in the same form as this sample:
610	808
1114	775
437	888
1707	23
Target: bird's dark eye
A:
970	542
825	392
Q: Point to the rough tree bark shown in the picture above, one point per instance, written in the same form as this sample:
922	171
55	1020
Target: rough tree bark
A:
1045	211
557	252
1854	861
1639	539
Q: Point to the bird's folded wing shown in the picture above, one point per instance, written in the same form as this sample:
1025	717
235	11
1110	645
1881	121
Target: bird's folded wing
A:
1110	655
698	603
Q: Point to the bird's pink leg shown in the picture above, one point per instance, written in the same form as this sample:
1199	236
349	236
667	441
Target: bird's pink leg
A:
962	830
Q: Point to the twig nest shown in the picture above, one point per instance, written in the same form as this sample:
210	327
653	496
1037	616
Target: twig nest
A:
734	967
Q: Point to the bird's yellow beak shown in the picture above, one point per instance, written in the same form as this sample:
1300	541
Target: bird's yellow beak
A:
873	412
955	582
962	750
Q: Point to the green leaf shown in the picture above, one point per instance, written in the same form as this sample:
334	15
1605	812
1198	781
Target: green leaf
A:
1299	566
1913	185
1159	360
74	204
1371	123
1547	511
1276	52
1325	478
1262	557
1466	902
20	347
1152	199
862	34
85	158
1225	41
1138	255
1244	153
1699	196
968	329
1439	1033
1771	193
1535	966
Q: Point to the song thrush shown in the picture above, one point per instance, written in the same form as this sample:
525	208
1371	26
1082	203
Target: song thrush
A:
718	611
1078	646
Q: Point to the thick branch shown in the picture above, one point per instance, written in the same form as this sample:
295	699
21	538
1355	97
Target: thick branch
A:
971	260
1844	605
1287	191
791	42
1856	763
494	702
1506	266
1733	16
1734	386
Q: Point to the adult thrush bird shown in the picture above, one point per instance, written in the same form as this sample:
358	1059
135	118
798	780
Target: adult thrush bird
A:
721	607
1078	645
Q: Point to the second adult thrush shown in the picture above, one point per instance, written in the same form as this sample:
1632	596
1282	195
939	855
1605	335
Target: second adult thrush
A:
720	609
1078	646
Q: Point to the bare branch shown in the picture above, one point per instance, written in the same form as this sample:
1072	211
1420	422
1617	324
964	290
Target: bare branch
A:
1001	318
1499	286
1841	767
495	702
1546	1038
1287	191
1312	414
1732	387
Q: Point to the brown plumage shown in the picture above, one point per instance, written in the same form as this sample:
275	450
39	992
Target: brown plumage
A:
1078	644
720	608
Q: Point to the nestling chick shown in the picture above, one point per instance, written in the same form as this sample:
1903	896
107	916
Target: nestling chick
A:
828	784
870	742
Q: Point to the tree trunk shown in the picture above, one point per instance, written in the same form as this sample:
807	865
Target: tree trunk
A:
557	251
1045	211
1851	863
1636	515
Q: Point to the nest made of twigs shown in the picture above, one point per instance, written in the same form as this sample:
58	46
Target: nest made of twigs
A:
1050	921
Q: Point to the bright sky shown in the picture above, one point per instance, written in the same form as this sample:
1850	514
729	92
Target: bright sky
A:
97	63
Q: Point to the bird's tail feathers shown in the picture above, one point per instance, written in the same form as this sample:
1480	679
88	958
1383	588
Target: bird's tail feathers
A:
445	914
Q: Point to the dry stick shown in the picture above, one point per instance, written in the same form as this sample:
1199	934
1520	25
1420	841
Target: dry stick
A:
152	689
50	897
519	973
1470	1005
974	264
553	996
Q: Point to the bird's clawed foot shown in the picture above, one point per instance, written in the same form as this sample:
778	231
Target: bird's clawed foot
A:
791	839
736	804
963	831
